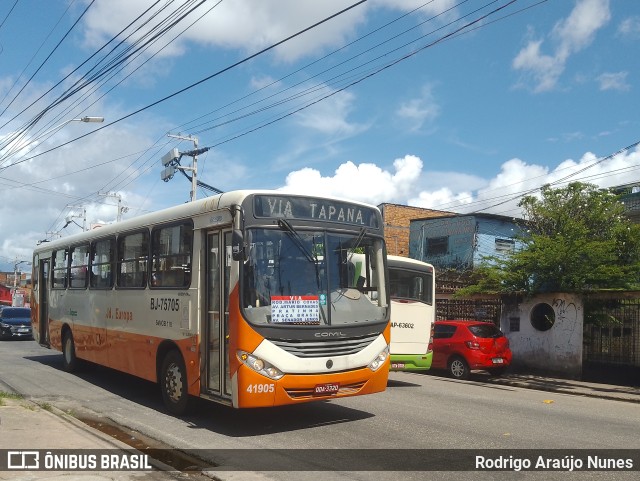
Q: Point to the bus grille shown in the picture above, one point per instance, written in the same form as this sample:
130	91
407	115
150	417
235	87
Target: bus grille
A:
325	348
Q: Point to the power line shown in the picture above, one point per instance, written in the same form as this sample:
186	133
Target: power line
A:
48	57
8	13
189	87
563	179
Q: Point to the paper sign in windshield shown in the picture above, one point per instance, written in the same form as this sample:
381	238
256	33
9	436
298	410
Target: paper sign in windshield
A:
295	309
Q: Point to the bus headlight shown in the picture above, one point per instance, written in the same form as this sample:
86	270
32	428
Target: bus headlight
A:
260	366
379	359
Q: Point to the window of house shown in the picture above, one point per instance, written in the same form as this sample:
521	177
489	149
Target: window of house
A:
505	245
514	324
437	246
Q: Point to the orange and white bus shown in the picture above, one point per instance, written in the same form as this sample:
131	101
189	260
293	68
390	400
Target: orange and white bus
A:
245	298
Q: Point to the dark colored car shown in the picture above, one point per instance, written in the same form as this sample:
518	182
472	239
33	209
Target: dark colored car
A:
463	346
15	323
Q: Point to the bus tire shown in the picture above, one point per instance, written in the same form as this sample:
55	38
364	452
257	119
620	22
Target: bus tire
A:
69	359
458	368
173	383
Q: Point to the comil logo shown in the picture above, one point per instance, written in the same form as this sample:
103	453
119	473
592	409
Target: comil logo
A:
330	334
23	460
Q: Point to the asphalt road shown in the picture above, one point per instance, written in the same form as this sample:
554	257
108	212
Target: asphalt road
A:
416	412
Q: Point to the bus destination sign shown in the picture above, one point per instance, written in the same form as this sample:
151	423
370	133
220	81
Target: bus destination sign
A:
309	208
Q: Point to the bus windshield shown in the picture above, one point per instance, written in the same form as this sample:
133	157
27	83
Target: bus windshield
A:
305	277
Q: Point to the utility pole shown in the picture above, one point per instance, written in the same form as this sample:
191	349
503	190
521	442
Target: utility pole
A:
14	299
194	165
171	161
82	216
118	197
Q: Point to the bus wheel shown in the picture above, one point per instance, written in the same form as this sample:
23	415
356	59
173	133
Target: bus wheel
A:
458	368
173	383
69	359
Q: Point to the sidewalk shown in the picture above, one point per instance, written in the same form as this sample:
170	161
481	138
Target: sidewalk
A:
26	426
566	386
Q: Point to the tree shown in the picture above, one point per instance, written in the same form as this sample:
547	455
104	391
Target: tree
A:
575	239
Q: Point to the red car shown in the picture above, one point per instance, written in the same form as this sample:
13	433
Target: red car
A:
463	346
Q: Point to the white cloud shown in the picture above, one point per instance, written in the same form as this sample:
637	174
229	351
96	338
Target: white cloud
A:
630	27
614	81
442	199
245	24
420	110
35	191
569	36
364	182
408	184
329	116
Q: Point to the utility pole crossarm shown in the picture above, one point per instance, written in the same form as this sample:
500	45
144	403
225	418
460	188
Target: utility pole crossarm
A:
171	161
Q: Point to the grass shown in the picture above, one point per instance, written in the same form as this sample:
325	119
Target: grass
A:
8	395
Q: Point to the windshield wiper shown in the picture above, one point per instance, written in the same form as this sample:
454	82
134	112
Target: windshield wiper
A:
361	234
297	240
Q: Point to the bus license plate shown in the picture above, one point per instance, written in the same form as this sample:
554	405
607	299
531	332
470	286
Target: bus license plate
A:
497	360
328	388
397	365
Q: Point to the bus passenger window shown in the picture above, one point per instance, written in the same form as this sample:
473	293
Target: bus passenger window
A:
79	263
133	255
60	269
101	264
171	256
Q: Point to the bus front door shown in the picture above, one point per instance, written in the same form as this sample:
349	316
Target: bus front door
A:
216	328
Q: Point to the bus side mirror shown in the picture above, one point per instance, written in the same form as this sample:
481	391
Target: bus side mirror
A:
237	245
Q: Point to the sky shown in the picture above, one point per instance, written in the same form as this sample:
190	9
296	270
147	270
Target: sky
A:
462	106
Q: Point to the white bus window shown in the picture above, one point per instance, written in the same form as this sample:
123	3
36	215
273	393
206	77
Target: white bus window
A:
133	257
171	256
102	257
60	264
79	264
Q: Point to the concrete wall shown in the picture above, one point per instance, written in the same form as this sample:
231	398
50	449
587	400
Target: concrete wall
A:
557	350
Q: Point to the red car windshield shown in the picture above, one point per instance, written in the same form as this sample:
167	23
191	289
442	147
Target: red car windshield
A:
486	331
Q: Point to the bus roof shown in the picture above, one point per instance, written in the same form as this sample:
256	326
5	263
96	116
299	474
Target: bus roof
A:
407	262
182	211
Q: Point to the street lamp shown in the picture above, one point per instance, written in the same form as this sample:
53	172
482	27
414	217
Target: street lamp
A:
91	119
18	146
59	126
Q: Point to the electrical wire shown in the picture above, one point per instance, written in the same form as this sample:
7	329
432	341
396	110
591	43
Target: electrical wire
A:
174	94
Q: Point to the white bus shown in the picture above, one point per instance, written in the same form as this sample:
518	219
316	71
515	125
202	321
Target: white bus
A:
245	298
413	313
